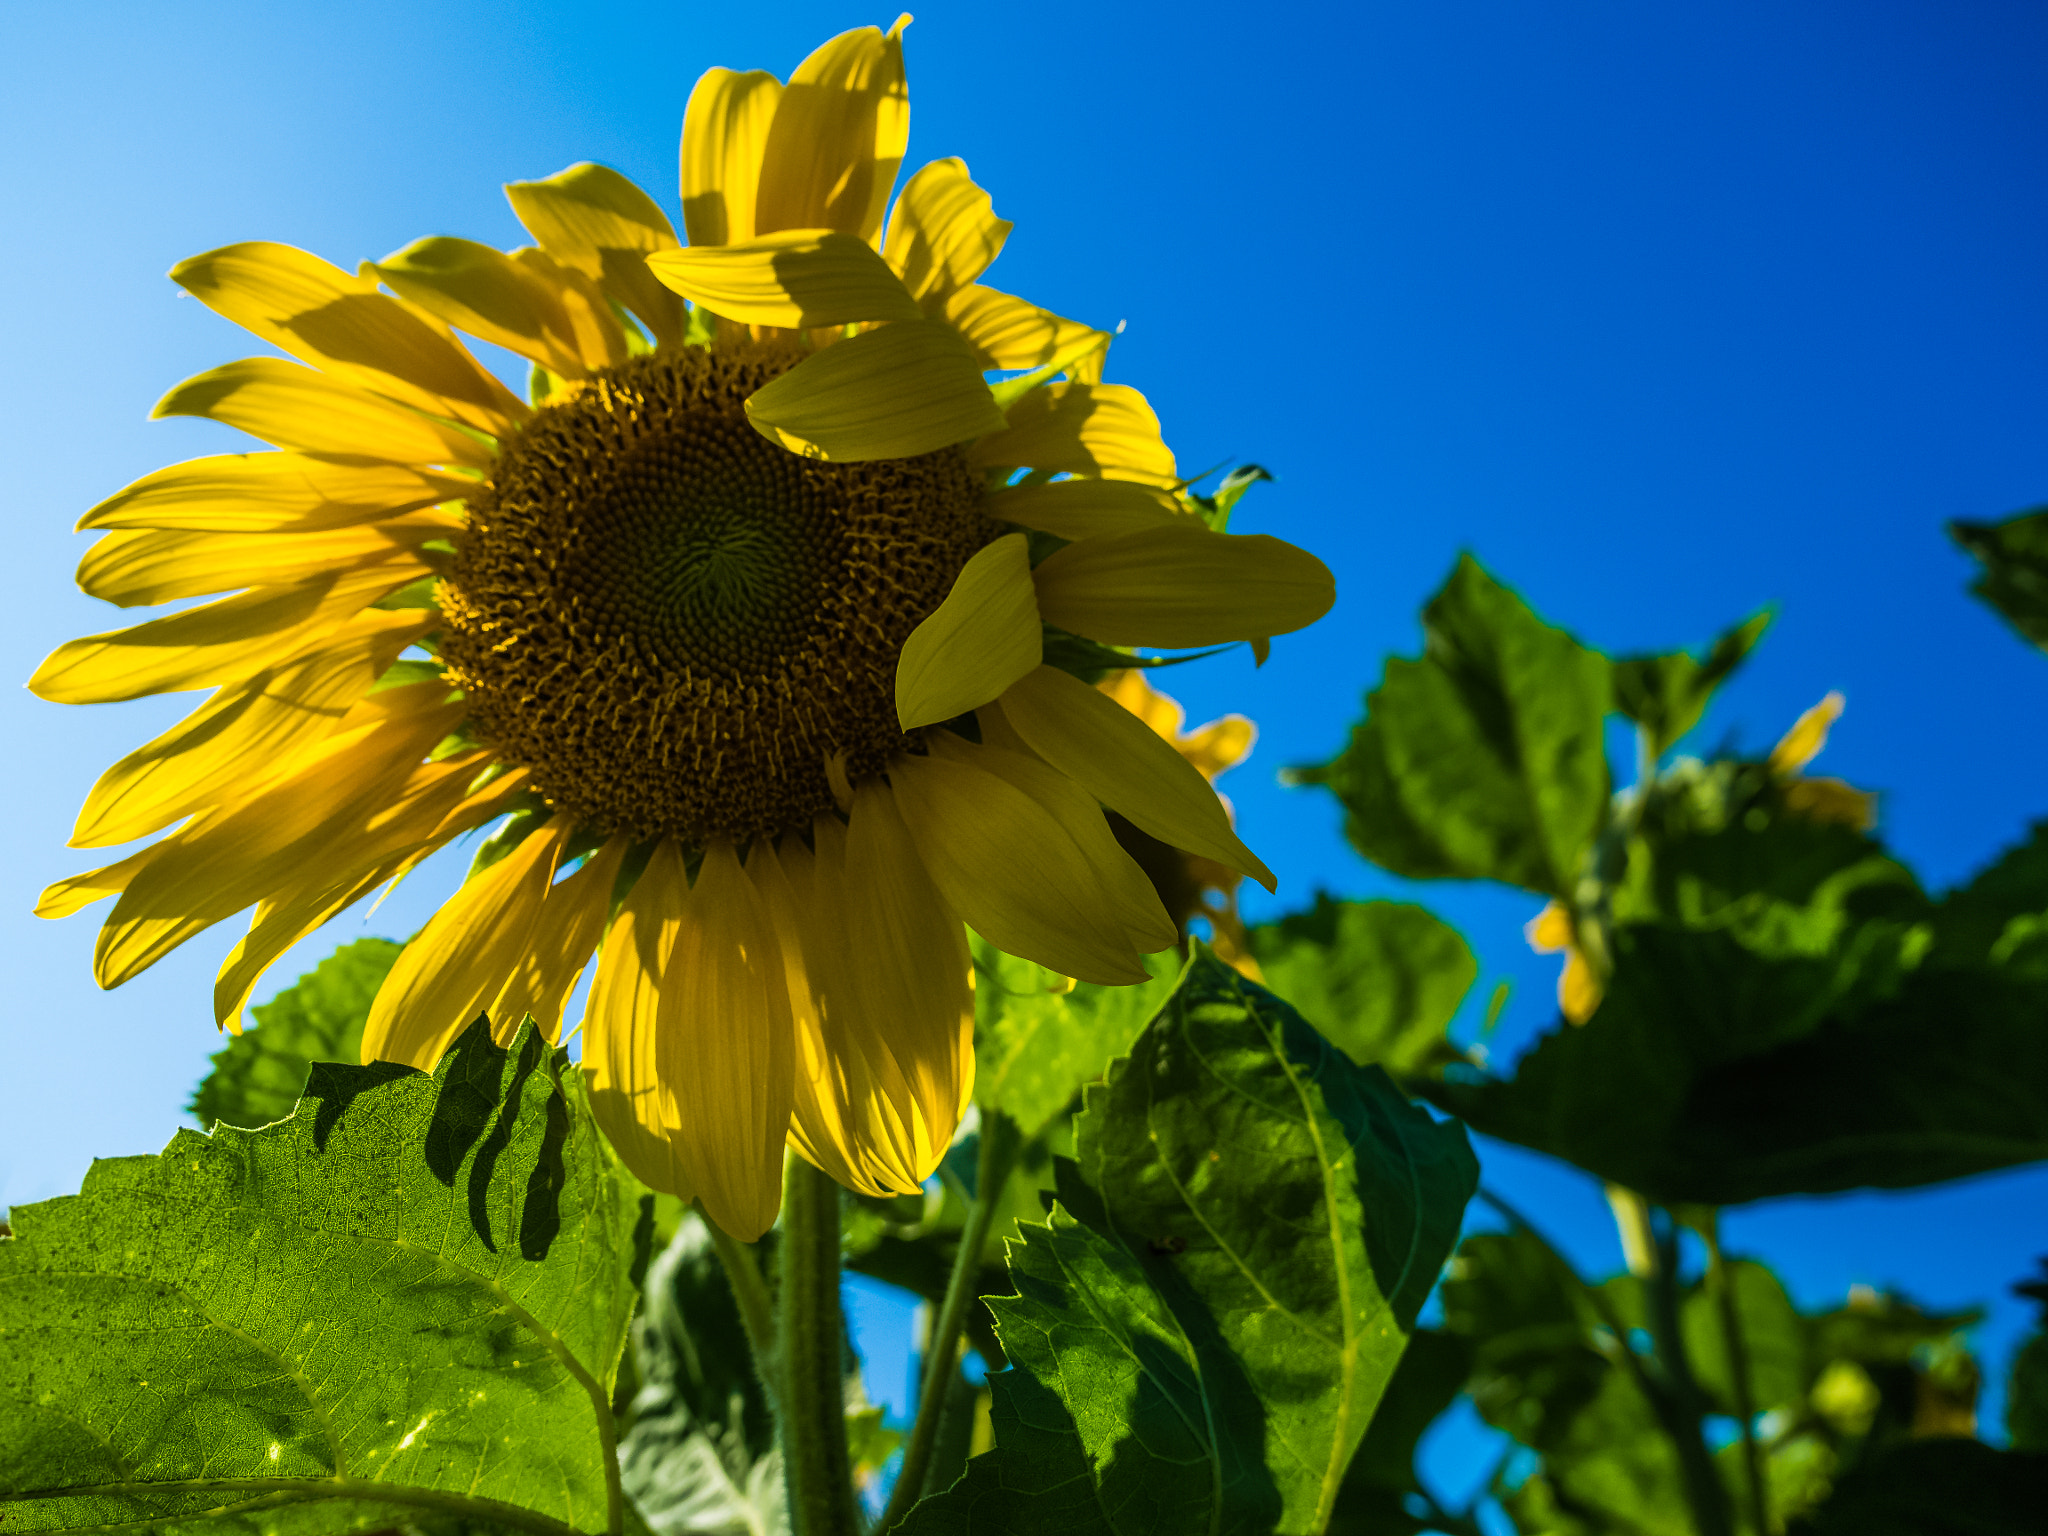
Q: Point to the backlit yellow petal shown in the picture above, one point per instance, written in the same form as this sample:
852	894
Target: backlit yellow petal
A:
635	1108
891	393
981	639
217	642
297	407
227	862
76	892
725	129
480	289
340	323
726	1047
1182	586
595	221
564	936
1082	429
1011	869
1082	509
797	278
273	492
1119	760
458	964
246	734
144	566
943	233
1550	930
1008	332
1809	733
837	138
1218	746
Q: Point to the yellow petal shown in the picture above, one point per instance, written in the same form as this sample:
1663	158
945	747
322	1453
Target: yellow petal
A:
1159	711
144	566
598	338
797	278
1182	586
458	964
1218	746
571	922
273	493
227	862
77	892
596	222
1578	988
725	129
981	639
726	1047
1550	930
1082	509
217	642
1118	759
481	290
1011	869
245	735
621	1025
1008	332
1809	733
837	138
890	393
943	233
296	407
1131	899
1832	800
431	805
340	323
1082	429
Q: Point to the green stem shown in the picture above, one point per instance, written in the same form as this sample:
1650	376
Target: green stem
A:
999	1146
1722	1284
1685	1420
810	1356
750	1292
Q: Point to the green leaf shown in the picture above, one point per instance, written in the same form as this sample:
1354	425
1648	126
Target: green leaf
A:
1201	1332
2014	555
1773	1342
259	1076
1039	1036
1666	695
1372	1499
2026	1393
1533	1370
410	1297
1383	977
1484	759
1949	1487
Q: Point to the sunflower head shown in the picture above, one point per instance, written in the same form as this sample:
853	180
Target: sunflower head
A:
735	628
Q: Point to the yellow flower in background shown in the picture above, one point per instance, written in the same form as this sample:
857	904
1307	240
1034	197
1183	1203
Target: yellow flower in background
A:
735	630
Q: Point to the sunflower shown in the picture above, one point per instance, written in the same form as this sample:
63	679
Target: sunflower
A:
761	633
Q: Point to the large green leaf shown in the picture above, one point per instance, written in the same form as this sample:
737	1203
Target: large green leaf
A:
258	1077
1203	1329
1484	759
1382	1477
1383	977
1038	1036
2014	554
1666	695
408	1297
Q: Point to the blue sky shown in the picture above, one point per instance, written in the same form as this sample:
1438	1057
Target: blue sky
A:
1667	313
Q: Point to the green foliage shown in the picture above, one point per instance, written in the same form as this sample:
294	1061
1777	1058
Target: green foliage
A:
1385	978
1038	1036
1221	1296
408	1298
1666	695
2026	1396
2014	555
1938	1488
262	1071
1382	1478
1483	760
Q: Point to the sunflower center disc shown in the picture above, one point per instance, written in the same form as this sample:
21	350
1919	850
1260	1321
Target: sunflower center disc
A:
673	622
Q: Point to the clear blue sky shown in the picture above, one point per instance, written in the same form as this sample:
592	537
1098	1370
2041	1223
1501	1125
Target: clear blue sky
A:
1667	312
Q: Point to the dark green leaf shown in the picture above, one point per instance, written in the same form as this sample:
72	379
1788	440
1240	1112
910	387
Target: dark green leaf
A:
1772	1339
1200	1345
259	1076
1666	695
2026	1393
1533	1370
1372	1499
1484	759
2014	555
1382	978
1937	1488
408	1297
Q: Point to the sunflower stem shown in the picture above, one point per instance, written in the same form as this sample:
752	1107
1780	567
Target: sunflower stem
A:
811	1358
1000	1143
750	1292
